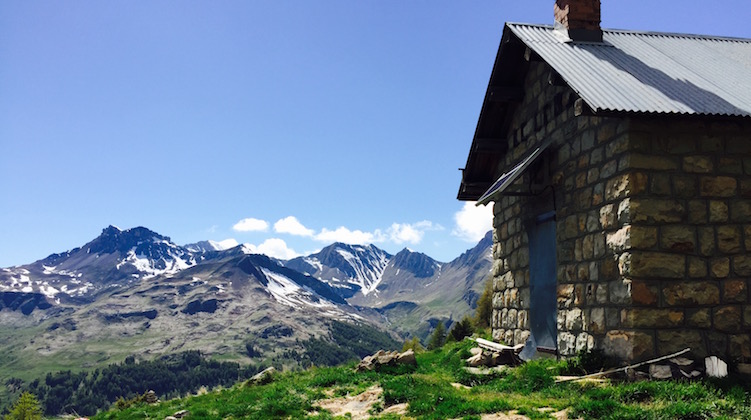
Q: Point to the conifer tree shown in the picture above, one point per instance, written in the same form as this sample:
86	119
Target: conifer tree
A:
438	338
26	408
485	305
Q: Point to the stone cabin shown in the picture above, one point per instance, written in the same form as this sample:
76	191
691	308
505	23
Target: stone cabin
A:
619	164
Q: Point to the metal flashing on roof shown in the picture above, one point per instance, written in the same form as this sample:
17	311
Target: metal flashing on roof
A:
508	178
649	72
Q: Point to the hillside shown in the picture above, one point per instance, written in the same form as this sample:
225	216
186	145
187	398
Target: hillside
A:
439	388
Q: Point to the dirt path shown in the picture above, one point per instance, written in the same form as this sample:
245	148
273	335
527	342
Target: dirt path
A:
359	405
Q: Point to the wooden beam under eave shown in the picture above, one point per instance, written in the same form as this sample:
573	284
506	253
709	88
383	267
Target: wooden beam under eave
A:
505	94
490	145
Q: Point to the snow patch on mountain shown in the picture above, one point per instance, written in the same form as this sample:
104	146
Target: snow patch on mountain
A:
368	271
289	293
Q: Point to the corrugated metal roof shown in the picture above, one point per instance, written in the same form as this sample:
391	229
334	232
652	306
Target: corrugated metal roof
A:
649	72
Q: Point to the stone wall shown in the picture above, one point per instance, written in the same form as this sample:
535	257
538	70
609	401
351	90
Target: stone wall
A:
683	237
653	230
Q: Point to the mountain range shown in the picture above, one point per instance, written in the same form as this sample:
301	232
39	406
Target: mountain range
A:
136	292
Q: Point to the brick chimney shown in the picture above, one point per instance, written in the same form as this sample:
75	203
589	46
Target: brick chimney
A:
579	19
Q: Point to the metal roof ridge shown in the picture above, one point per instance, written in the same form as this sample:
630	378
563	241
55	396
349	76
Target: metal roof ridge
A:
649	33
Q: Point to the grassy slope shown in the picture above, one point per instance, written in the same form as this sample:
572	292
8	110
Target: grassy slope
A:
429	393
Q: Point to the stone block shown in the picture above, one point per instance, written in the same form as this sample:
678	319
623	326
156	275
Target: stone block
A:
628	345
699	318
651	318
719	267
734	291
512	318
680	238
566	343
672	341
684	186
747	237
565	296
697	267
601	294
520	336
522	319
624	211
644	293
598	244
597	321
697	212
655	162
718	186
584	342
740	211
706	240
656	211
701	164
692	293
608	269
729	239
588	247
742	265
747	316
727	318
660	184
740	347
608	216
625	185
657	265
745	186
597	194
508	337
718	211
574	320
620	291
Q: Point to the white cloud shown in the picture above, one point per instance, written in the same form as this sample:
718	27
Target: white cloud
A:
291	225
251	225
473	222
400	233
356	237
275	248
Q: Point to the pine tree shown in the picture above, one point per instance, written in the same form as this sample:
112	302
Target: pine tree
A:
26	408
461	329
485	305
438	338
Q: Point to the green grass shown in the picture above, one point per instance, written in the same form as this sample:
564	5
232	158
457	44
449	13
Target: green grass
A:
429	393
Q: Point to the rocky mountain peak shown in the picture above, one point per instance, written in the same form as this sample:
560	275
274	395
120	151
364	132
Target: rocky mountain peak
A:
416	263
143	240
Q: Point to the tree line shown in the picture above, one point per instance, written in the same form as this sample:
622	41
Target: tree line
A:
170	376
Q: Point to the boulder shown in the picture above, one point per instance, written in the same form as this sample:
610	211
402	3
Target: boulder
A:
382	358
407	358
180	414
263	377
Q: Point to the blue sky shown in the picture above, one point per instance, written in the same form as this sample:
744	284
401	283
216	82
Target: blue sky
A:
283	124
